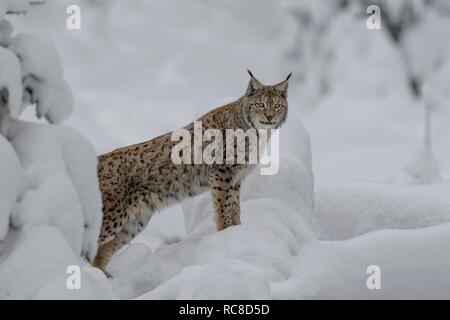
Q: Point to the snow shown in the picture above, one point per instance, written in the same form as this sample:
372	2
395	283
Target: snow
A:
234	278
423	168
43	76
346	209
60	167
81	166
342	201
269	256
10	171
414	265
37	53
50	204
35	265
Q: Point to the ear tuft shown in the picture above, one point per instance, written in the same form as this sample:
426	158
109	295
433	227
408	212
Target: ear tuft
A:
254	86
282	88
250	73
289	76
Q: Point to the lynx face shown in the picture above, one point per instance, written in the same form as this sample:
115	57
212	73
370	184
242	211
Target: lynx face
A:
265	107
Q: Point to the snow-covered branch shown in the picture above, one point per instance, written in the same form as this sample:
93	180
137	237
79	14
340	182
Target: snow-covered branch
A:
31	71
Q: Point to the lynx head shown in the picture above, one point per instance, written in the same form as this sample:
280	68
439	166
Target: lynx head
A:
265	107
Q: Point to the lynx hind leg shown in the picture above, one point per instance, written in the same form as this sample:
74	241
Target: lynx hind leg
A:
107	250
129	230
225	196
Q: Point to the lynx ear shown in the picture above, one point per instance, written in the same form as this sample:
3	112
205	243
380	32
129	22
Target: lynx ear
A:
282	87
254	86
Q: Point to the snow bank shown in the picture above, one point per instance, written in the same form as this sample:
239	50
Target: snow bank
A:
146	271
218	280
262	242
273	253
34	266
414	264
346	209
422	168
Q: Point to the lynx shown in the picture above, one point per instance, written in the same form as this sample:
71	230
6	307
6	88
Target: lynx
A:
137	180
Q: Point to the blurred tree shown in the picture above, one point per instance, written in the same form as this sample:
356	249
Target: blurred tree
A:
403	21
309	52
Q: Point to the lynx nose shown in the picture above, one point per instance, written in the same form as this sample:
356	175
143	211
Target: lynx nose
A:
269	118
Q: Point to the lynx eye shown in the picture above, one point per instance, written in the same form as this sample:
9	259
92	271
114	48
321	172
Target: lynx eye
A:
277	106
261	105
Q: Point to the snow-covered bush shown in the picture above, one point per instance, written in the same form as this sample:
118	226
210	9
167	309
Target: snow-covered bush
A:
50	207
11	173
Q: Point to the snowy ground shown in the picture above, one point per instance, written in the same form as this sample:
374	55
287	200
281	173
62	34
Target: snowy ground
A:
309	232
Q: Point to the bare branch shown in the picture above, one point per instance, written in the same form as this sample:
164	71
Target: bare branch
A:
31	3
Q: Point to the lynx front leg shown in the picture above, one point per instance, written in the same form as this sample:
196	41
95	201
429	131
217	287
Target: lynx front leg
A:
225	192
